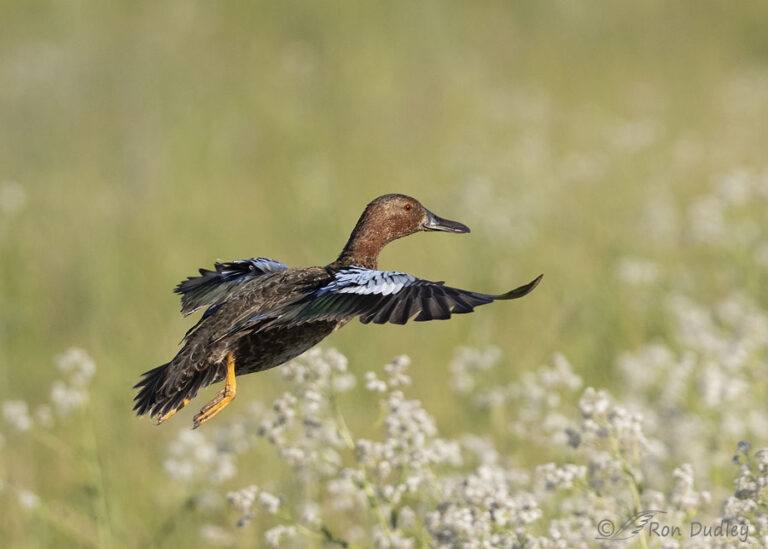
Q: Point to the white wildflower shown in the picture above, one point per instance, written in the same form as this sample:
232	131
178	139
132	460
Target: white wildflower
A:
28	499
395	371
16	412
345	492
269	502
66	397
391	540
594	403
735	508
344	382
552	477
482	448
373	383
243	500
77	365
645	367
653	499
637	272
310	513
407	422
273	536
467	362
338	361
561	374
683	495
735	188
193	457
406	518
216	535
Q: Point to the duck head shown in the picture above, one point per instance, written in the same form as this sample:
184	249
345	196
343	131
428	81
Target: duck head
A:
388	218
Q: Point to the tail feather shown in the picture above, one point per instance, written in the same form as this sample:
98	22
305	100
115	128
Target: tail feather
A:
149	386
158	395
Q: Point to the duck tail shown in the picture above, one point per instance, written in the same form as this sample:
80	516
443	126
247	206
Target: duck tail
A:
149	397
164	389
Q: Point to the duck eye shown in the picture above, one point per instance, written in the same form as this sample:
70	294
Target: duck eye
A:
407	207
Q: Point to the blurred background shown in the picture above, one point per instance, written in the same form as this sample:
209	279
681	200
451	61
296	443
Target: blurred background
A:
608	146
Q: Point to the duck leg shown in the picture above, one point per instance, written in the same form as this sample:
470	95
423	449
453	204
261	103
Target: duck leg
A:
222	398
169	414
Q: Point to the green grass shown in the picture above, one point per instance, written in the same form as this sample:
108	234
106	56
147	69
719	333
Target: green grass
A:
154	138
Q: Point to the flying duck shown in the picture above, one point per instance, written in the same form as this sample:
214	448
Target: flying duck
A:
260	313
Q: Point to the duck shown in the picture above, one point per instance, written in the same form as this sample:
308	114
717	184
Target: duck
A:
260	313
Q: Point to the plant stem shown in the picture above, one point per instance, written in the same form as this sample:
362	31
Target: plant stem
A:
346	435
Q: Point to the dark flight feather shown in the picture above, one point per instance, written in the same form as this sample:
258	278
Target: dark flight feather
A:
386	296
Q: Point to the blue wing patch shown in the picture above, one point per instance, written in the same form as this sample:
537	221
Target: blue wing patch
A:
356	280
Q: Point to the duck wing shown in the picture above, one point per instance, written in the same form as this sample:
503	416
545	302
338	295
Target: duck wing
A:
387	296
212	287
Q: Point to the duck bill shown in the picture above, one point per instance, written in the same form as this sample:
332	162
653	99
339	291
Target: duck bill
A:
437	223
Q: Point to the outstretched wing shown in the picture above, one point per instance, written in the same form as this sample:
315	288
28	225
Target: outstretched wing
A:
388	296
211	287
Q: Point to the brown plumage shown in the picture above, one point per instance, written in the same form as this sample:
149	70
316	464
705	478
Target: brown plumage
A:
260	313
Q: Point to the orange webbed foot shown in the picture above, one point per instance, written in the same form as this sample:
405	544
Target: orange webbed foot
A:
222	398
172	412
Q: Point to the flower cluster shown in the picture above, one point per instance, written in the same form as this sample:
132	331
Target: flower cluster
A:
403	485
66	394
45	425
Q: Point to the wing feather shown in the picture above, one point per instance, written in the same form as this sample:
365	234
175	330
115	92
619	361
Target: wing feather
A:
212	287
400	310
459	305
385	311
387	296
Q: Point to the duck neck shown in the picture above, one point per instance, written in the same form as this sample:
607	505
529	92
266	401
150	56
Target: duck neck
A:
361	250
364	245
